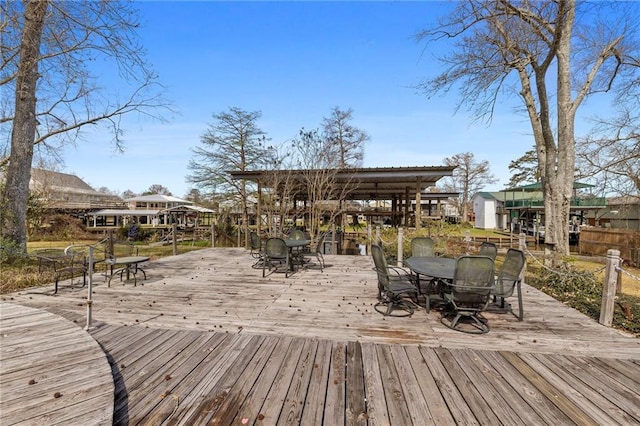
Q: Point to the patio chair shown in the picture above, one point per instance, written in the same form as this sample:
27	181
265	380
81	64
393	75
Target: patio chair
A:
255	244
422	247
62	265
394	287
509	279
470	294
296	234
488	249
275	255
317	253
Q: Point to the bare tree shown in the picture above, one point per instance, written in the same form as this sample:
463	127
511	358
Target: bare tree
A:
345	142
233	142
560	53
128	194
156	188
46	51
610	154
468	177
316	161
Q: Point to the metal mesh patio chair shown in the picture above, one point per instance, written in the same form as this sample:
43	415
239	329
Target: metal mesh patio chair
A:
276	254
395	289
488	249
469	294
422	246
509	279
255	244
296	234
61	264
317	253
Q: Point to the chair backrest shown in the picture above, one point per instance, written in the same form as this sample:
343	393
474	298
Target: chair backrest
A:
488	249
381	267
422	247
276	248
509	273
473	280
296	234
254	240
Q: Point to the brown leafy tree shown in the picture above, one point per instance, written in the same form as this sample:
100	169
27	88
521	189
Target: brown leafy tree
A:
46	50
553	55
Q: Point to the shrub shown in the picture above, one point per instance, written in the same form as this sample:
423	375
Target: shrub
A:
583	292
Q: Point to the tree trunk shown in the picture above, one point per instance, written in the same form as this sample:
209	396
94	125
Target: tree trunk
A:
560	168
16	193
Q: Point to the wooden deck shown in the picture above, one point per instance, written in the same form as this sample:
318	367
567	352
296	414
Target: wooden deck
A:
51	372
206	339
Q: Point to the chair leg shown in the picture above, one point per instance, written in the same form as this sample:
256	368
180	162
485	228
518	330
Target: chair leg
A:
520	308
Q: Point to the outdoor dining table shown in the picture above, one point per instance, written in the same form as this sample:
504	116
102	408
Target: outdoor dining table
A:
128	264
295	249
441	271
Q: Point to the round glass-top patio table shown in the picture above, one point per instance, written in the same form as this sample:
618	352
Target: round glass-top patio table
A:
435	267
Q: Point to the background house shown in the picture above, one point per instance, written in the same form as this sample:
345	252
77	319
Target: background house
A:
620	213
66	193
521	209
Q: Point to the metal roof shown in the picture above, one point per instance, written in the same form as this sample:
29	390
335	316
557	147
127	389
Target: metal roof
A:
159	198
363	183
124	212
196	209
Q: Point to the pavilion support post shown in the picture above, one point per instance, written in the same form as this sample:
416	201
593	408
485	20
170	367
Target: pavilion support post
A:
369	238
259	208
418	210
400	246
609	287
407	201
394	207
213	233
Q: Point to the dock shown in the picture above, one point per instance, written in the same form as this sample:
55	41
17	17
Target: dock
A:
206	340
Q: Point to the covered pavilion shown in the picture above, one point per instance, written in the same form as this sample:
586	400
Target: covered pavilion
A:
401	186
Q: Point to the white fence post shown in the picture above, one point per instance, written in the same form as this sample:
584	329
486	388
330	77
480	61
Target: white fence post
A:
609	287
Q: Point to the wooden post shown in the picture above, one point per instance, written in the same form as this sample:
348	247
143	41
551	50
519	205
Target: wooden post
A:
369	238
609	287
418	211
174	240
334	242
400	245
213	234
89	325
522	241
110	243
522	245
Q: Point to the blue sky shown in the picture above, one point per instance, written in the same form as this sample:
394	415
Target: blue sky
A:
294	62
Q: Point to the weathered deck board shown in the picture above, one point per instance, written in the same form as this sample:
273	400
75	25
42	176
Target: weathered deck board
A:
206	339
51	371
